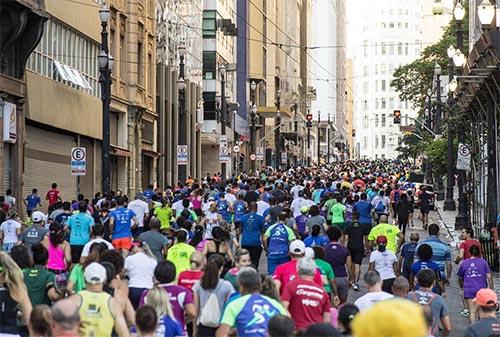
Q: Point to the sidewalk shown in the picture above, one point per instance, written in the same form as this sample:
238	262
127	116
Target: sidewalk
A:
448	222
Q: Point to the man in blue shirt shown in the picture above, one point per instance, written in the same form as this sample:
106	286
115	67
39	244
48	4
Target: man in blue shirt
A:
364	208
279	236
32	201
79	226
252	226
120	226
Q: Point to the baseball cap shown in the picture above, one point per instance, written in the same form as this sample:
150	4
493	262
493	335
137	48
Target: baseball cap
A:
95	273
486	298
37	216
297	247
304	209
381	239
309	252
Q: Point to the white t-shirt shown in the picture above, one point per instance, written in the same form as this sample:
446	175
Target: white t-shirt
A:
383	262
86	248
140	208
295	190
297	205
140	270
231	198
8	228
369	299
261	207
177	206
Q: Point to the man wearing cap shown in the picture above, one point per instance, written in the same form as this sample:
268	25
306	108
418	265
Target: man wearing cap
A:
34	234
99	312
287	272
141	210
488	324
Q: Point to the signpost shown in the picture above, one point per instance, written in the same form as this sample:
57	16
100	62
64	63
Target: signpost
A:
463	157
224	154
284	157
78	161
182	154
253	157
259	153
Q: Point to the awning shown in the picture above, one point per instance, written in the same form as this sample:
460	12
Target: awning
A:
116	151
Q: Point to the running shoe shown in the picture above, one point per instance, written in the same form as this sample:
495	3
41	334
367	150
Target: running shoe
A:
355	287
464	313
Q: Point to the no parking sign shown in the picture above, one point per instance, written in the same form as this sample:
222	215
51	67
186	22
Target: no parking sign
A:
78	161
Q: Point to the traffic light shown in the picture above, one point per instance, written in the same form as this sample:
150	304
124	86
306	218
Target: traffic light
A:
309	118
354	132
397	116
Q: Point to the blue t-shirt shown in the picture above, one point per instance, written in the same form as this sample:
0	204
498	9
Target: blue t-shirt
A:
79	225
62	218
123	220
301	222
420	265
364	208
149	194
222	208
167	327
408	253
279	235
440	253
32	201
239	210
252	226
319	240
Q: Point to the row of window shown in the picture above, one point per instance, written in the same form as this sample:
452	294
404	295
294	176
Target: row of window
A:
69	48
209	28
392	48
384	120
379	142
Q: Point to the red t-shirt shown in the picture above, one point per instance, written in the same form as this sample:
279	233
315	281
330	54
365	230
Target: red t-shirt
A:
52	196
466	245
308	302
188	278
287	272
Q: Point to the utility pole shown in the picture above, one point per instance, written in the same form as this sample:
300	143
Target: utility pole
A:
319	131
253	117
277	132
449	203
181	85
438	127
328	140
222	71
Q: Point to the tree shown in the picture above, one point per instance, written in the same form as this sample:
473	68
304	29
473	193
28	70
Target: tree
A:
436	154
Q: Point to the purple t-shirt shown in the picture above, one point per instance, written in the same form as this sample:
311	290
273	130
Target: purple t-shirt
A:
336	255
179	298
301	221
473	271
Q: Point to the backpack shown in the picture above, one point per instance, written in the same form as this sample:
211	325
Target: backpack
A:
380	207
396	196
210	313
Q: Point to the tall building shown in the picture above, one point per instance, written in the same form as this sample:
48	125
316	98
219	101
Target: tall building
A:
390	36
436	15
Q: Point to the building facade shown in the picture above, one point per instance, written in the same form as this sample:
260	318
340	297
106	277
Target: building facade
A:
390	36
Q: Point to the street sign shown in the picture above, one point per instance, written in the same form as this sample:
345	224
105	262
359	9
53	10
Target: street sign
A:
463	157
260	153
253	157
78	161
309	153
182	154
236	148
224	154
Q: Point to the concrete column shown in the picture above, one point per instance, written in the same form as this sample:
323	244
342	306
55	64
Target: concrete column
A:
161	125
19	155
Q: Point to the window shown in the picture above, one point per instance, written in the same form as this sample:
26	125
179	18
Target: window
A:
391	48
383	48
391	103
365	121
406	48
365	105
365	47
376	142
209	25
365	88
140	64
391	24
382	68
383	103
376	103
383	86
365	71
365	142
376	85
123	57
406	119
151	77
406	25
209	65
391	68
400	48
383	142
376	69
383	25
383	121
376	48
376	121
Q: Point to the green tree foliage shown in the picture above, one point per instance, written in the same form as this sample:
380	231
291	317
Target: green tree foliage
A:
436	154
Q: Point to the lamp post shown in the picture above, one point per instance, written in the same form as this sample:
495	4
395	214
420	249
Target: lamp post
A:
328	140
449	203
181	86
438	126
222	72
296	126
319	130
253	117
462	219
309	150
428	166
277	132
105	66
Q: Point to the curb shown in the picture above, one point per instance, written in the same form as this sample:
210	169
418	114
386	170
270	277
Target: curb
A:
451	235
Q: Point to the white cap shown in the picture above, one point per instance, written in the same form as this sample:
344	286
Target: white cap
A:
297	247
37	216
309	253
95	273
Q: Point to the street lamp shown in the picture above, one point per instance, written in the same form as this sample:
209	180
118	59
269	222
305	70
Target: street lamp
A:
319	131
428	166
486	13
459	11
437	126
222	72
253	117
449	203
181	86
277	131
105	61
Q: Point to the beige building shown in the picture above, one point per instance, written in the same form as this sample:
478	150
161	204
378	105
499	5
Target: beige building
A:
64	109
436	15
350	120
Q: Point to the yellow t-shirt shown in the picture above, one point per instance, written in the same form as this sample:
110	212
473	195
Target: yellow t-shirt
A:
95	313
179	254
164	214
389	231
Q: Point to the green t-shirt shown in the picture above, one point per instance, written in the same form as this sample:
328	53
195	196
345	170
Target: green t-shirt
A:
328	206
389	231
337	213
164	214
180	254
38	280
326	274
76	276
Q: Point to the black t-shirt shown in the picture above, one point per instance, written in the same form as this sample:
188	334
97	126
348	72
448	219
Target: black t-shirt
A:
486	327
356	232
251	196
424	199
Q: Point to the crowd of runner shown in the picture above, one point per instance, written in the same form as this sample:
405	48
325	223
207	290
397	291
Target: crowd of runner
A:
275	254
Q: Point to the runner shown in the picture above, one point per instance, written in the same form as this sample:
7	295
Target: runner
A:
275	242
120	226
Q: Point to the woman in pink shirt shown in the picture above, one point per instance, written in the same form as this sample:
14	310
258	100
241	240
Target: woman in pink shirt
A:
59	249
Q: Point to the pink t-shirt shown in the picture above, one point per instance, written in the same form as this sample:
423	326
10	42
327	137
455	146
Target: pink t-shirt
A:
287	272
